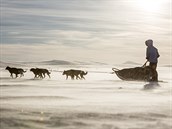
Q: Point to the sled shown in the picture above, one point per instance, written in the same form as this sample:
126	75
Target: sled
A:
134	74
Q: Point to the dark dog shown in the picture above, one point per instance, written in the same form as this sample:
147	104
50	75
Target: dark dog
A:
40	73
15	71
45	71
37	72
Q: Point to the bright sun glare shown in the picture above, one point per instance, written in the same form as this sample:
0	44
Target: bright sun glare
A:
150	5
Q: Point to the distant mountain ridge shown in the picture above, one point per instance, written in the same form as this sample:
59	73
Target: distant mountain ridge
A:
63	62
57	62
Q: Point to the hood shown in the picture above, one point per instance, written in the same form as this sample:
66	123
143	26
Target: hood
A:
149	42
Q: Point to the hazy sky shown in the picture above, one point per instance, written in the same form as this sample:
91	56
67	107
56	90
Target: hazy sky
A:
111	31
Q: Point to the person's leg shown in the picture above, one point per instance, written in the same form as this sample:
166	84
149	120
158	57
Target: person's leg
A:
154	72
156	76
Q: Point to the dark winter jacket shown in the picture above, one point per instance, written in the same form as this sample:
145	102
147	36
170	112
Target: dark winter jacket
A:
152	53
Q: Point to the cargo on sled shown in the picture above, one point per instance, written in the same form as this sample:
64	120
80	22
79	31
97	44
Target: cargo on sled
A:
137	73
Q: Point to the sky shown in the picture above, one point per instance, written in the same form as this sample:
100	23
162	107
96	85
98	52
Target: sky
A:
109	31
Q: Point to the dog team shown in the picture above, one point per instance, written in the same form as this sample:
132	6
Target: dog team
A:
41	73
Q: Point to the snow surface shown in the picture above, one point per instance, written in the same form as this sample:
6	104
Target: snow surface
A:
102	101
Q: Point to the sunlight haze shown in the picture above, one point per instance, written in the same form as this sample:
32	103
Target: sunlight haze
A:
109	31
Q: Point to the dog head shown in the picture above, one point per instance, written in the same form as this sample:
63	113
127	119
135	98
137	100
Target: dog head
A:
7	68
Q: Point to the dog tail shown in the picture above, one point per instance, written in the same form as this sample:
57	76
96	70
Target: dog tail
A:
85	73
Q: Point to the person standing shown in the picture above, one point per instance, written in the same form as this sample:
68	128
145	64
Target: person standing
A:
152	56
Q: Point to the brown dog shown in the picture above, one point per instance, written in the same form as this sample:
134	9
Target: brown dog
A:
79	74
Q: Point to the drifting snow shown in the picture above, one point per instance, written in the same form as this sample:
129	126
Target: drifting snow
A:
102	101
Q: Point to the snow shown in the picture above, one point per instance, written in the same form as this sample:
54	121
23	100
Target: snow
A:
102	101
